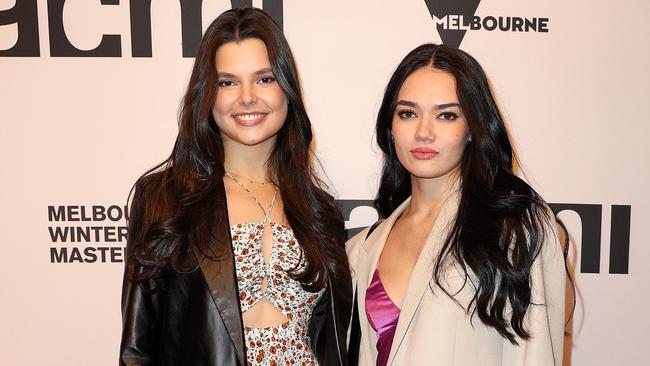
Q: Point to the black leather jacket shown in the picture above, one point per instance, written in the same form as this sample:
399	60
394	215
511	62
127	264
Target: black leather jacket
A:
194	317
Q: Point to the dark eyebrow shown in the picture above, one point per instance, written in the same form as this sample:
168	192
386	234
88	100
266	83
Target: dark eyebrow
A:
407	103
446	105
437	106
225	75
265	70
259	72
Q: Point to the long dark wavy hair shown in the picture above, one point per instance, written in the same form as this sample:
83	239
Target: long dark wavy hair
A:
501	220
171	208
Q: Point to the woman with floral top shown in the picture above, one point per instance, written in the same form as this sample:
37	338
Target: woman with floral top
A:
235	252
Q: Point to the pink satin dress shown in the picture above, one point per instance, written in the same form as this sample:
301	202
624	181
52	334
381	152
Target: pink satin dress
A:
383	315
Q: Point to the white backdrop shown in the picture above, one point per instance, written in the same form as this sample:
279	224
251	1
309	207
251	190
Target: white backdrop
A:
78	131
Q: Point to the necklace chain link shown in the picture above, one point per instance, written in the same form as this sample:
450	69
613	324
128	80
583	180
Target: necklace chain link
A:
267	213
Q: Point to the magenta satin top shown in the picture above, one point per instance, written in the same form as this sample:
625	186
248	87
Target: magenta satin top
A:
382	315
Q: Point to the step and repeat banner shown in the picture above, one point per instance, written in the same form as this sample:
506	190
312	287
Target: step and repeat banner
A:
90	93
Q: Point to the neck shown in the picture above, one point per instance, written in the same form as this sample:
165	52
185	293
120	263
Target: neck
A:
248	161
428	194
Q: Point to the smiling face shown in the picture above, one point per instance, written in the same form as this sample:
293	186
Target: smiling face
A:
250	107
429	130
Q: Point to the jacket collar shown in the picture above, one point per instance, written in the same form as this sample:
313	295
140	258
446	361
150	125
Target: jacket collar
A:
218	269
422	271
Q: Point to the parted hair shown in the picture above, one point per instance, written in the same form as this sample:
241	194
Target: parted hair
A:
171	215
500	225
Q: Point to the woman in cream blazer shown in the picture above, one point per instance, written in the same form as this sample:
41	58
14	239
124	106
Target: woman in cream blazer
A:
440	256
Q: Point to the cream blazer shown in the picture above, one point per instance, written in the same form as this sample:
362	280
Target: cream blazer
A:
433	329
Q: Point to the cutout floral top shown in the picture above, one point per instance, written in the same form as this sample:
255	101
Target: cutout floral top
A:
287	343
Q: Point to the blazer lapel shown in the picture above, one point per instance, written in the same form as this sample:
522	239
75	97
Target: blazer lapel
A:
368	256
372	248
423	271
218	268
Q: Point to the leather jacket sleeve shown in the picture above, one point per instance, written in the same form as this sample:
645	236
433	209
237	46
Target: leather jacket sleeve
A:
331	316
139	325
139	304
329	325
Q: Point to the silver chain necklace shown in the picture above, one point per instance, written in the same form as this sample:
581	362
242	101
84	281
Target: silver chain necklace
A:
267	213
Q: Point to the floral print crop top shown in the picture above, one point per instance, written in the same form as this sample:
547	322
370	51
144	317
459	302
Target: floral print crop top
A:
287	343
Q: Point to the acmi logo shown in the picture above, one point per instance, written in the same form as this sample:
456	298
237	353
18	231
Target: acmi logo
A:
453	18
24	14
590	239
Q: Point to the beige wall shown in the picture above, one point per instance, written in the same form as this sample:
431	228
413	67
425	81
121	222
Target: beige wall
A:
79	131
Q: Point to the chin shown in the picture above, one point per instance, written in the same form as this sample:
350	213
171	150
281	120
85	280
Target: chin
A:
419	172
253	140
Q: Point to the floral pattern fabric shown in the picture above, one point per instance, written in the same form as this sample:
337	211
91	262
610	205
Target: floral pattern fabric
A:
287	343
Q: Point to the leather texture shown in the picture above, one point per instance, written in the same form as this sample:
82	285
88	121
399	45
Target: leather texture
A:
193	317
